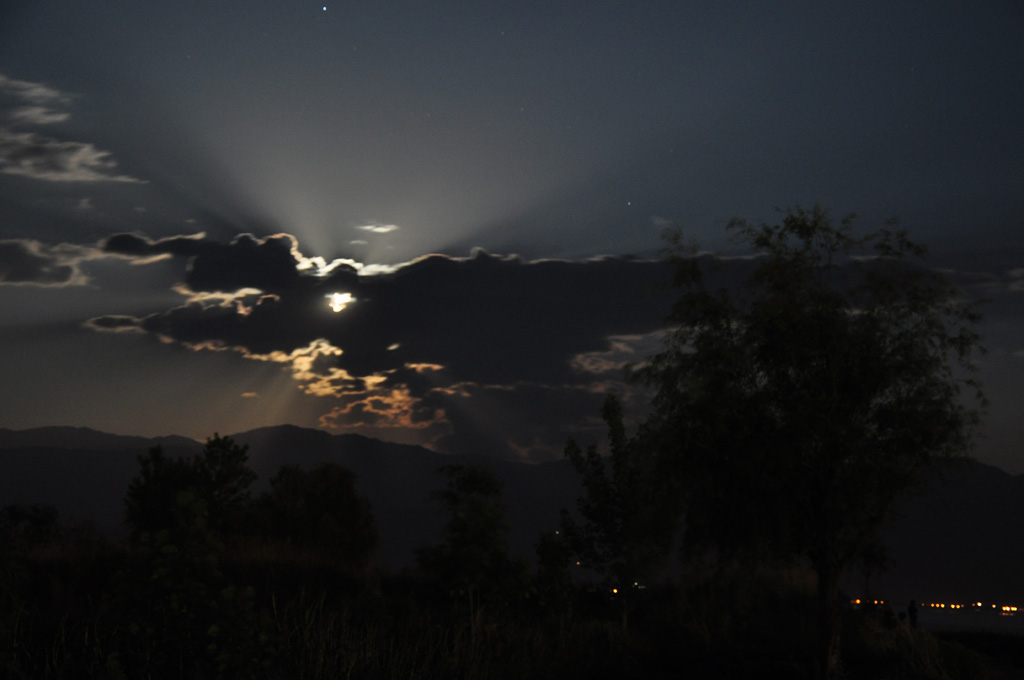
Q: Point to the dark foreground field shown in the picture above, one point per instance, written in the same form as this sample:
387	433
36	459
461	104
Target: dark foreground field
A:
96	610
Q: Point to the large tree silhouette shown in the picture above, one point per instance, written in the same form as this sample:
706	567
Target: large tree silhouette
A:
798	408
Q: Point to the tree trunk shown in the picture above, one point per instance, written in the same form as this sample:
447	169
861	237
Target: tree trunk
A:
828	621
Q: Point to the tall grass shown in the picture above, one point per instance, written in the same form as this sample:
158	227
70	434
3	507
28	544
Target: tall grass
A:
62	618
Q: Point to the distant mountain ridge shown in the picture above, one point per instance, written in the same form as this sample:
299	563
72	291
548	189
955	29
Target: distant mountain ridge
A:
962	539
65	437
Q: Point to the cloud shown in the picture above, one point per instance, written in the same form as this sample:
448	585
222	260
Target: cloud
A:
1016	283
38	115
29	262
379	228
622	350
145	250
484	318
43	157
46	158
32	102
24	90
115	323
270	264
492	354
413	341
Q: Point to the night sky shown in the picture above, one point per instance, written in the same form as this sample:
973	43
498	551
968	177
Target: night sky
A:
439	223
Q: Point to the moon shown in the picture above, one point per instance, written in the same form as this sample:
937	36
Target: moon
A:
339	301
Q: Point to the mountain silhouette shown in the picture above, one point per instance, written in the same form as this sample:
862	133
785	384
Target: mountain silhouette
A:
958	540
84	438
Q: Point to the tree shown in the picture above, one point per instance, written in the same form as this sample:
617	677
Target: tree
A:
184	616
626	512
553	581
27	526
319	512
223	468
219	477
472	562
151	501
799	408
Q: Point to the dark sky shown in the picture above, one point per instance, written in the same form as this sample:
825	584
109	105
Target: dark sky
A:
184	184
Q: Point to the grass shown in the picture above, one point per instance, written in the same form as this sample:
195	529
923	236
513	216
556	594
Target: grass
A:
64	616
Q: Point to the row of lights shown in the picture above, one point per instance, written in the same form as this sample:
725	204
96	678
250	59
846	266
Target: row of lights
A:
1004	610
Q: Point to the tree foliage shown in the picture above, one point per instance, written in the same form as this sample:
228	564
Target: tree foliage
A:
797	409
319	512
183	615
626	519
219	478
26	526
472	561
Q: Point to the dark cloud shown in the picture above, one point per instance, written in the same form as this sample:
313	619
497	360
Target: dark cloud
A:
115	323
271	264
527	421
424	347
30	262
267	264
134	245
484	319
500	320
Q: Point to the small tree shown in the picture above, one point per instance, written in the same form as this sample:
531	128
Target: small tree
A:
472	563
220	477
182	615
151	501
319	512
553	582
800	407
223	468
627	511
23	527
